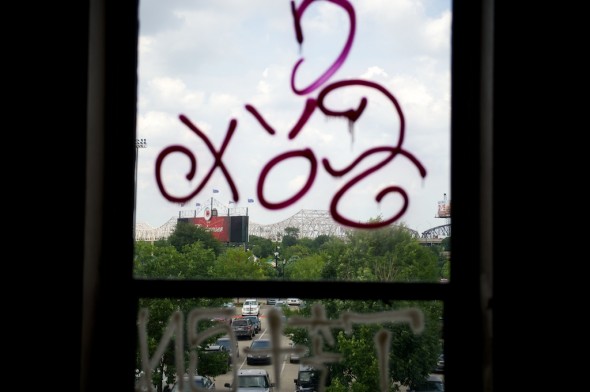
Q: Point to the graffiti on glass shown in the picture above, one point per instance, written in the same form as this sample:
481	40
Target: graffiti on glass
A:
318	326
322	85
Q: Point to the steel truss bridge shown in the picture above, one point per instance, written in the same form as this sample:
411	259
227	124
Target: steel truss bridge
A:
311	224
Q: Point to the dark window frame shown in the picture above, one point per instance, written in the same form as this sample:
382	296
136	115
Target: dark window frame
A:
110	291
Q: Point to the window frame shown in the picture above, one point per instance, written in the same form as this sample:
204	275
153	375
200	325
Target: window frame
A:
110	291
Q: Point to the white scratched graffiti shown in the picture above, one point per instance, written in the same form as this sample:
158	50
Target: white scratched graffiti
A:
318	326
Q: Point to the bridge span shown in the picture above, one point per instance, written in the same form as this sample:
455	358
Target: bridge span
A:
311	224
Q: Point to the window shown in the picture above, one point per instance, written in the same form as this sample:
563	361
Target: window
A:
461	295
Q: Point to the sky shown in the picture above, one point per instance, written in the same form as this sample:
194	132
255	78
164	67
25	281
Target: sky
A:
207	59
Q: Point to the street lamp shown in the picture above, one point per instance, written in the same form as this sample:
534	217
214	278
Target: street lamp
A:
139	143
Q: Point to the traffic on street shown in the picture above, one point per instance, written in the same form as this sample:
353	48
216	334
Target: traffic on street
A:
287	371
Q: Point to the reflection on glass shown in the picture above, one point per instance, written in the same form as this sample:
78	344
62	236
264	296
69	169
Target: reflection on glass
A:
327	342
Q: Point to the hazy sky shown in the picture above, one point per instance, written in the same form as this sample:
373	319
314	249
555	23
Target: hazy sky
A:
208	59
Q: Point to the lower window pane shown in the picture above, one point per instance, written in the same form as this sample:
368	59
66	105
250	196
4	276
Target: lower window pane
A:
290	343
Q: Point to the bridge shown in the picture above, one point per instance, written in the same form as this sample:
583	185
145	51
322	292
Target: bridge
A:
310	223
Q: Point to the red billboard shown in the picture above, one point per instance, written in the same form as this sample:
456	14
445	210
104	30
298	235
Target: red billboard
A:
219	226
223	228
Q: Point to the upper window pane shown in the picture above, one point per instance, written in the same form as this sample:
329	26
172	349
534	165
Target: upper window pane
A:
275	136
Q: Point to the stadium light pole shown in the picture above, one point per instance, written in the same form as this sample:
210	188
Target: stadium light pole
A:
139	143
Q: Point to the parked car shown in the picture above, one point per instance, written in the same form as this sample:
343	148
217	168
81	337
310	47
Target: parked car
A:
256	321
251	307
226	342
259	352
293	301
243	328
433	383
309	379
253	380
203	382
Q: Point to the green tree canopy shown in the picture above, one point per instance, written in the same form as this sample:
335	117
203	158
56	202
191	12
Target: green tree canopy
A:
187	233
412	356
165	262
160	311
305	268
291	237
261	247
236	263
387	254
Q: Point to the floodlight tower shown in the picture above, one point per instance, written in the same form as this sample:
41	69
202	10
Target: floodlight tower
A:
139	143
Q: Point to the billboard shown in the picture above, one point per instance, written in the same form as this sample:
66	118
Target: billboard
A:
223	228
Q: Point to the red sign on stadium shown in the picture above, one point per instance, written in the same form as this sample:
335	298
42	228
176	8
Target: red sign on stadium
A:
223	228
219	226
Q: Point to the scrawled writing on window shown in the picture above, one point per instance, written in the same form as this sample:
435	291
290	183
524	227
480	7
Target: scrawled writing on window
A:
323	86
319	327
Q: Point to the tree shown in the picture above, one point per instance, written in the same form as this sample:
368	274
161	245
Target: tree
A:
305	268
164	261
236	263
186	233
446	244
295	252
292	232
417	263
159	313
386	254
261	247
213	363
332	251
319	241
290	238
412	356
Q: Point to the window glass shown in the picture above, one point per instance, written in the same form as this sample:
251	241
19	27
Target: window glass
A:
283	141
319	342
270	139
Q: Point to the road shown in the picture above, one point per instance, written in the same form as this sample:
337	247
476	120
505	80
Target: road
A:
288	371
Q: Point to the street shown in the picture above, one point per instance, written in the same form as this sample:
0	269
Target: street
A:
287	371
